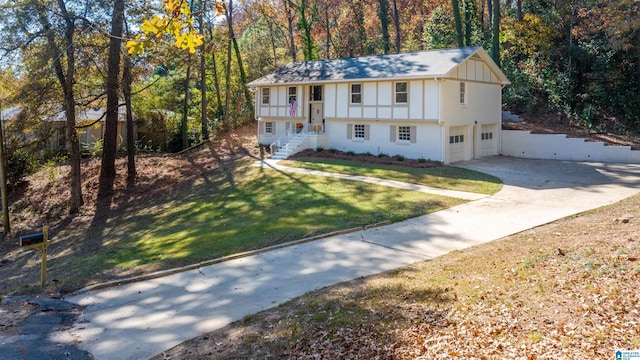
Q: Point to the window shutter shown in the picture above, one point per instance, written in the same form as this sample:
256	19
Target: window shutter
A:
261	127
392	133
349	131
366	132
413	134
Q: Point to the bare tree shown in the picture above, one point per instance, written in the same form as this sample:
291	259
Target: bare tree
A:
66	80
108	167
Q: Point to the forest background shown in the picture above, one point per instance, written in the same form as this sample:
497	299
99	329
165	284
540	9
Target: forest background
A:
576	59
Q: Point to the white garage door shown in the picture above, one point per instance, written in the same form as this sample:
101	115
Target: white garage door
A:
488	140
457	145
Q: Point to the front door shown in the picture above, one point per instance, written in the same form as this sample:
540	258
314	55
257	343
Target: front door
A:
316	113
316	107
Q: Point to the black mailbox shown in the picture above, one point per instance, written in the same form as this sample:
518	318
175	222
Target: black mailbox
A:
31	239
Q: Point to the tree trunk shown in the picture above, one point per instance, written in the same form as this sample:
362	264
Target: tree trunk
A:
227	99
305	25
216	82
396	22
468	11
327	33
495	33
126	92
66	82
292	42
110	143
458	22
383	15
519	10
236	48
3	183
185	106
203	80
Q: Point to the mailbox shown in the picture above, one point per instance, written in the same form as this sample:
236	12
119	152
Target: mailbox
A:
31	239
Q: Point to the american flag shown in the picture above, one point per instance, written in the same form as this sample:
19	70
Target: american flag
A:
292	107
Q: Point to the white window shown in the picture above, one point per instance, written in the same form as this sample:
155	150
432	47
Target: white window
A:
463	93
358	131
356	93
265	95
455	139
401	93
293	94
404	133
268	127
487	136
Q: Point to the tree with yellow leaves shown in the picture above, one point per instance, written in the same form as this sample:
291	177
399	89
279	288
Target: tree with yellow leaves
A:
177	22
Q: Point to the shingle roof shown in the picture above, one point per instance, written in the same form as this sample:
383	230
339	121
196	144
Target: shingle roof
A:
422	64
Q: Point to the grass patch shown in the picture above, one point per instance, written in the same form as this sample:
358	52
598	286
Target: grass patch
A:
234	209
445	177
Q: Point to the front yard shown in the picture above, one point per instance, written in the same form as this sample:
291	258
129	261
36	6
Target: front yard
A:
227	209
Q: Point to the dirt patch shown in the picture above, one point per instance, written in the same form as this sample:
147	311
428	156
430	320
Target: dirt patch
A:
555	123
565	290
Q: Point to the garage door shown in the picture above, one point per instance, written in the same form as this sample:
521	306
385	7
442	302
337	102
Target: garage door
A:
457	145
488	140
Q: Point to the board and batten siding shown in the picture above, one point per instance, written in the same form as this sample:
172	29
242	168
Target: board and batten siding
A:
278	106
378	101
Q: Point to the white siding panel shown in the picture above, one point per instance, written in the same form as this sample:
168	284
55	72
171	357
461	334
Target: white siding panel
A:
264	110
479	71
342	100
462	71
385	93
282	95
431	100
384	113
282	111
369	113
355	112
369	94
401	112
330	100
416	100
471	70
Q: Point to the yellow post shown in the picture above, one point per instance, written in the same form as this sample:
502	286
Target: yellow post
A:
45	235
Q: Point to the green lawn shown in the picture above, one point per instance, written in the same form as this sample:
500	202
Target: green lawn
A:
239	209
446	177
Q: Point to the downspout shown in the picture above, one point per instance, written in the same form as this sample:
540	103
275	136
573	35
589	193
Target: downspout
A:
255	106
440	122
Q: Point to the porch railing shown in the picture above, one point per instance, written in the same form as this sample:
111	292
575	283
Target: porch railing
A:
291	130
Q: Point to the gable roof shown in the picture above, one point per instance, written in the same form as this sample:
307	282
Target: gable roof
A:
422	64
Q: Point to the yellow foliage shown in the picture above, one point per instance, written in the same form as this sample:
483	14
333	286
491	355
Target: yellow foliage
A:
176	22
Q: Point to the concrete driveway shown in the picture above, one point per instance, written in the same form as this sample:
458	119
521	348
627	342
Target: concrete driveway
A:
140	320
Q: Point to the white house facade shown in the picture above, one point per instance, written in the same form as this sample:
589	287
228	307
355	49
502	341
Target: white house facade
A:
442	105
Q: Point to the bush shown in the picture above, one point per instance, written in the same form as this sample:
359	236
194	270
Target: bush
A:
422	160
351	153
319	149
382	155
19	165
399	157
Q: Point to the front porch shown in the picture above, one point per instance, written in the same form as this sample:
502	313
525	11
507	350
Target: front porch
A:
298	137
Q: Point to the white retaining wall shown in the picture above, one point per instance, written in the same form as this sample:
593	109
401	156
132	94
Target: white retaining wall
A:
523	144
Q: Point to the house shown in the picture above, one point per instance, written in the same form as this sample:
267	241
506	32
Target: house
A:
442	105
90	124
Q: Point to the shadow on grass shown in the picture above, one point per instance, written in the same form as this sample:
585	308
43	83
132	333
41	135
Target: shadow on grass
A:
232	208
